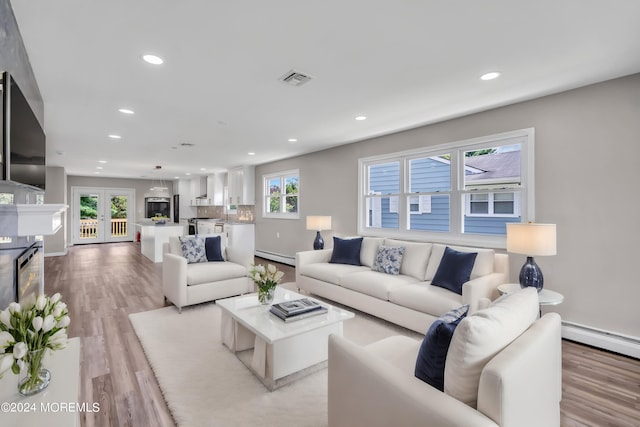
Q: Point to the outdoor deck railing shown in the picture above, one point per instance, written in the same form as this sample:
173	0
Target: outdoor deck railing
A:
89	228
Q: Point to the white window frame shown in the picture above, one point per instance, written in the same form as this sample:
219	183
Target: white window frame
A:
525	203
491	203
283	196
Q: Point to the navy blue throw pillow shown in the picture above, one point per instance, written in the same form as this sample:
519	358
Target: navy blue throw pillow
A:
213	249
433	351
346	251
454	269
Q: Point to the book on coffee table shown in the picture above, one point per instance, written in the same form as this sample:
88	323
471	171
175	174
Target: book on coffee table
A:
297	316
298	306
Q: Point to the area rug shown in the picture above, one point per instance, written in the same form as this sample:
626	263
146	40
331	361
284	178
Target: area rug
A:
204	384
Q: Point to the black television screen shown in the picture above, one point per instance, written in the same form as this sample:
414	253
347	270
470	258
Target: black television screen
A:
24	142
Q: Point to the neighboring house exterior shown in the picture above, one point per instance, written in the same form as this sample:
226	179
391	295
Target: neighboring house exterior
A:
488	203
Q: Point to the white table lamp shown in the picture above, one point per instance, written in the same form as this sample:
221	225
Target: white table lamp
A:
531	239
318	223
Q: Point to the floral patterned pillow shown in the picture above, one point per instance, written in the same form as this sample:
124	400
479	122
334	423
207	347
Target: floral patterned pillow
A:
193	249
388	259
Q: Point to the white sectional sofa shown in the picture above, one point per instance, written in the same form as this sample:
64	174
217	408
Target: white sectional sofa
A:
407	299
186	284
503	369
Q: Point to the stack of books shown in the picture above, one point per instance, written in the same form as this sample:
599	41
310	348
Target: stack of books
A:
297	309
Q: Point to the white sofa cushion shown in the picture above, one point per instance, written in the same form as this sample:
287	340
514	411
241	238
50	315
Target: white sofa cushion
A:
482	266
332	273
425	298
369	249
398	350
481	336
204	273
415	259
375	284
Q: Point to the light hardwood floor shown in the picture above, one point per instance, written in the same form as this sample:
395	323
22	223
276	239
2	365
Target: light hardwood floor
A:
104	283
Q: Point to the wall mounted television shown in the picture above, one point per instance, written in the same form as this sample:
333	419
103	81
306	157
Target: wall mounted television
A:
23	151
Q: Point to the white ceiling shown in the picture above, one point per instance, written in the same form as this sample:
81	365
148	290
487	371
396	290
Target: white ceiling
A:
402	63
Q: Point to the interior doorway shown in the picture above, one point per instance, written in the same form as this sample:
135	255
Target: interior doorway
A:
102	215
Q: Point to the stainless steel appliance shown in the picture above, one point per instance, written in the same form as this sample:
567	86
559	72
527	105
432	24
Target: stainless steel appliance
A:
157	206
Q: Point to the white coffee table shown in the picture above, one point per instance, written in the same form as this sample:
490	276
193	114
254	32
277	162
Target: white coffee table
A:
275	351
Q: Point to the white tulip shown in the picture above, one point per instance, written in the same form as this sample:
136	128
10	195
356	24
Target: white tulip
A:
5	363
21	365
49	323
5	318
62	305
278	276
57	312
19	350
37	323
14	307
41	302
58	340
55	297
5	339
271	269
64	322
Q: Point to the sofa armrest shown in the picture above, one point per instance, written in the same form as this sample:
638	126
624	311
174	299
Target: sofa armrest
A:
174	279
365	390
311	257
481	287
522	385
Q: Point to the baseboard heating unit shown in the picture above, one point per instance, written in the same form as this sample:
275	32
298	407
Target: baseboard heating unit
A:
618	343
284	259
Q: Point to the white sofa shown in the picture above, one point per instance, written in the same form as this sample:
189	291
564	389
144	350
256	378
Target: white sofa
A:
407	299
517	385
186	284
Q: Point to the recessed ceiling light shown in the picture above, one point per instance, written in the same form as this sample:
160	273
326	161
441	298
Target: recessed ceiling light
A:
113	136
152	59
360	118
99	167
126	111
251	153
490	76
292	140
188	173
203	169
102	161
176	177
97	173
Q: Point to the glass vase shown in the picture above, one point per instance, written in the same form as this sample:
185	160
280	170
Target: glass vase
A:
265	296
37	378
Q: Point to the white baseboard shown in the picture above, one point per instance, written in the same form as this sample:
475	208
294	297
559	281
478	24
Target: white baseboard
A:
618	343
56	253
284	259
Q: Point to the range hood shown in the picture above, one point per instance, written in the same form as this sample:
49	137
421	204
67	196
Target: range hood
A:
30	220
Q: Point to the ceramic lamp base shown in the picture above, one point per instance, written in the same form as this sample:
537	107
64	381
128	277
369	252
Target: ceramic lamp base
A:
319	242
531	275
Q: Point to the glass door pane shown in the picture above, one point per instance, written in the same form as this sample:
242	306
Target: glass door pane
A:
118	216
89	215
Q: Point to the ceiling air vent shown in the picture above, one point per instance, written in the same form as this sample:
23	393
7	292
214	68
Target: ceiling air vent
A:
295	78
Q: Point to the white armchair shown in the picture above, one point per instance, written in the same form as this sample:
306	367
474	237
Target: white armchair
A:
186	284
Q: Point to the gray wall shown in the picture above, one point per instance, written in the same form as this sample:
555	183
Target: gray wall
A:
587	149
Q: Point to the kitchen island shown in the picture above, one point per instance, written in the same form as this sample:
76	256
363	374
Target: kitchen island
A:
153	236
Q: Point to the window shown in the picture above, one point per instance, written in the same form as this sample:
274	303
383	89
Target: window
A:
281	194
460	192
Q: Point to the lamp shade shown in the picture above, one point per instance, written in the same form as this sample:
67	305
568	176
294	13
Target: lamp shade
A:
531	239
318	223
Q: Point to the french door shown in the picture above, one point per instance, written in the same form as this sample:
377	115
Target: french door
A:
102	215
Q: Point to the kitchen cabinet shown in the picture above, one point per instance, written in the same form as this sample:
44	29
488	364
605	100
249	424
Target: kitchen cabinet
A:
215	188
241	186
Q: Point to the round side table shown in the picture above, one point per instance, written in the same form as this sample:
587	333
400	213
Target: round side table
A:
545	296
